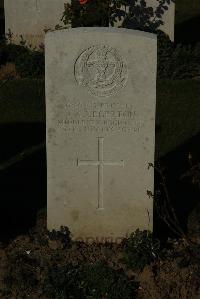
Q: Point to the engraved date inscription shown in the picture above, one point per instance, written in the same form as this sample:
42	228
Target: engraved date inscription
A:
100	117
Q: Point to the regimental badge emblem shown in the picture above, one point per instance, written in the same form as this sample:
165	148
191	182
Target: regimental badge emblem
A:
102	70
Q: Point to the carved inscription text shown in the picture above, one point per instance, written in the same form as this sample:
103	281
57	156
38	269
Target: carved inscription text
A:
100	117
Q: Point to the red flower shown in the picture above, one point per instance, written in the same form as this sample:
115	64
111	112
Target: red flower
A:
82	2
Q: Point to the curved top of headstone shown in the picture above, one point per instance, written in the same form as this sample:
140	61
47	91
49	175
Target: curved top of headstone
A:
107	30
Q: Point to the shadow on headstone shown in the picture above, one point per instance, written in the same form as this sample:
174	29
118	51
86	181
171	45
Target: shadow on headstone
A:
187	32
23	184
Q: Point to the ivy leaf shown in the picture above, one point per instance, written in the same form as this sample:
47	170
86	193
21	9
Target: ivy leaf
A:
158	16
165	7
143	3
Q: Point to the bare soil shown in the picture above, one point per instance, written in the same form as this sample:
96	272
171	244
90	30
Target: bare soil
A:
24	260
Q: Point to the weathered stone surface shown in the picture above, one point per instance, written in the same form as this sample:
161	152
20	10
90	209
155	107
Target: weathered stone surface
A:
100	97
30	18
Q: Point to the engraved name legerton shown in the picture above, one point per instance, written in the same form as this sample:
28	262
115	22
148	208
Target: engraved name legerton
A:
101	69
100	117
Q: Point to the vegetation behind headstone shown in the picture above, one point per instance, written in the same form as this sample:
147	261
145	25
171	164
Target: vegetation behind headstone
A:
29	62
177	62
135	14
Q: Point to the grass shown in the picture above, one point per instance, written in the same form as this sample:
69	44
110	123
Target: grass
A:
178	109
22	101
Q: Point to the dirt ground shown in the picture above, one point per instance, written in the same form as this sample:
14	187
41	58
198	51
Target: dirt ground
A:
26	260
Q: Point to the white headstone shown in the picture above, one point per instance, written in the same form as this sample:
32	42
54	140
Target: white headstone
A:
100	97
168	18
30	18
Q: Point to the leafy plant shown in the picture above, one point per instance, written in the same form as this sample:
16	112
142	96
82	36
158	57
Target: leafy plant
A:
101	281
93	13
62	235
135	14
89	281
61	282
9	52
185	62
30	64
190	255
165	52
177	62
21	271
140	249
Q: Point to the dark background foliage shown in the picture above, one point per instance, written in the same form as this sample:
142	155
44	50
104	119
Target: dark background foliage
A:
138	15
135	14
174	61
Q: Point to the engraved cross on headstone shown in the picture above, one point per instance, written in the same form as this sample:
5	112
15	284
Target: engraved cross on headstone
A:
100	163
